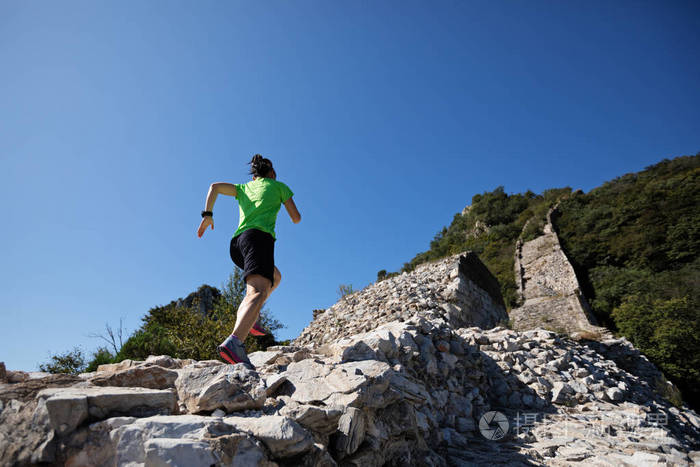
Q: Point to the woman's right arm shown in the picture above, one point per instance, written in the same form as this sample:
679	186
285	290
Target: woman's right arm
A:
292	210
214	190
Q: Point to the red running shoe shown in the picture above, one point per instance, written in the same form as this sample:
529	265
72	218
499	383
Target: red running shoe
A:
232	351
257	329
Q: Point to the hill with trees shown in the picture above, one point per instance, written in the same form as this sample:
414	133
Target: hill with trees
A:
633	242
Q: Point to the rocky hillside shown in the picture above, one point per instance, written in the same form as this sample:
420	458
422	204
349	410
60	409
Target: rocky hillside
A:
633	243
460	290
429	381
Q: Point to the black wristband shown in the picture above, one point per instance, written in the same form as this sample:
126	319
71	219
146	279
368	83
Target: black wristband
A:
207	213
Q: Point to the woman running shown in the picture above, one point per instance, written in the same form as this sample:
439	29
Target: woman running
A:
252	246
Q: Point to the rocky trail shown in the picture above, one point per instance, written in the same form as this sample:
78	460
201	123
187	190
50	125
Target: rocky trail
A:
413	370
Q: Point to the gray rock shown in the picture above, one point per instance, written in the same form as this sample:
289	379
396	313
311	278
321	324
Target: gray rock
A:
16	376
112	367
322	420
614	394
239	449
128	440
103	402
409	389
315	382
561	392
145	376
646	458
351	431
259	359
579	387
166	361
66	411
283	436
465	425
227	387
164	452
454	439
24	431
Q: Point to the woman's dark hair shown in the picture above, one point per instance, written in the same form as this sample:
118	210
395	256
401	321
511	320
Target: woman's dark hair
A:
260	166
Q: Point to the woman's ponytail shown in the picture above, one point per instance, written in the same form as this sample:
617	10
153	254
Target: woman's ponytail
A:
260	166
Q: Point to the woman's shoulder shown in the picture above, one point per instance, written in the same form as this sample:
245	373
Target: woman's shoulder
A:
279	184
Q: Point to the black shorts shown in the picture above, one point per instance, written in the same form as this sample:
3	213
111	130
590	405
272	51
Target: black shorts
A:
254	252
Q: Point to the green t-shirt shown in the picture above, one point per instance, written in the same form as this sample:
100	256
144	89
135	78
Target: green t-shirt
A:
259	202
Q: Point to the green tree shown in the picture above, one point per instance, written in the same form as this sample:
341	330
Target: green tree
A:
72	361
668	333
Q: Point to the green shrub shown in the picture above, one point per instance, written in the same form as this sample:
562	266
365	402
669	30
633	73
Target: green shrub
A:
72	362
668	333
101	356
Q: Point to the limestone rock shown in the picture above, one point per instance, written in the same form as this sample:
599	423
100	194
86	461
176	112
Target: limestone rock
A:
259	359
144	376
226	387
164	440
164	452
351	383
351	431
166	361
283	436
113	367
66	411
323	420
16	376
103	402
561	392
240	449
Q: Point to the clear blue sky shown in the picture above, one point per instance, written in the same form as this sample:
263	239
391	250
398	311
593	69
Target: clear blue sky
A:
384	118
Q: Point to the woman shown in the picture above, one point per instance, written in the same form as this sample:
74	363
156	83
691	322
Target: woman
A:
252	246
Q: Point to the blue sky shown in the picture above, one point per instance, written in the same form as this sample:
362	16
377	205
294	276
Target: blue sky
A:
384	118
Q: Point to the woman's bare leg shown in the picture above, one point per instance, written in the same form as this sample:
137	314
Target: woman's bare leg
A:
257	290
278	278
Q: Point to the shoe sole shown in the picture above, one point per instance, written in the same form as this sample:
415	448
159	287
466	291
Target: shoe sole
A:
255	332
230	358
226	355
